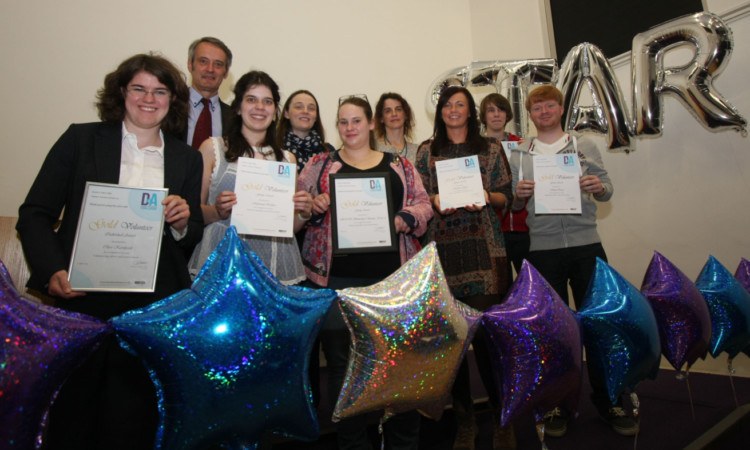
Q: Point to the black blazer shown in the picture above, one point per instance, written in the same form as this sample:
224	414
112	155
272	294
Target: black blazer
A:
91	152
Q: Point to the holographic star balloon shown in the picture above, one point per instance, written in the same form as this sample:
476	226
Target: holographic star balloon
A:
729	305
408	337
619	331
536	348
681	312
39	347
230	356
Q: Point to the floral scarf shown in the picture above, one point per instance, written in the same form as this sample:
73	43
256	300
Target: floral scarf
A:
304	149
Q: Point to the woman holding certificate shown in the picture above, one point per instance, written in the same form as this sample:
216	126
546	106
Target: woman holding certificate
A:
330	267
469	240
251	134
110	401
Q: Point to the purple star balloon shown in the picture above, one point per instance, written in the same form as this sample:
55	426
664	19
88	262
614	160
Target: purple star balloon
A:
729	305
39	347
408	337
619	331
742	274
536	350
229	357
681	312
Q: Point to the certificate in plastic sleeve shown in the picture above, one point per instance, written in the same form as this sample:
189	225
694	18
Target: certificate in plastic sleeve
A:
265	197
118	239
460	182
556	184
362	213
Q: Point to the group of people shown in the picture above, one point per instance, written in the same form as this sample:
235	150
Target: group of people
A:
150	119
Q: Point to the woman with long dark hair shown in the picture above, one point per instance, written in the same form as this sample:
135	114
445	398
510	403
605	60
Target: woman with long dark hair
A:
300	128
251	134
469	240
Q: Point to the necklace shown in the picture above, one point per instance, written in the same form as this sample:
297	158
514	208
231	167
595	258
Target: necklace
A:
398	152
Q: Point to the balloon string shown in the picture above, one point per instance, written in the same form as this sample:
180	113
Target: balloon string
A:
380	432
636	416
690	393
540	433
731	381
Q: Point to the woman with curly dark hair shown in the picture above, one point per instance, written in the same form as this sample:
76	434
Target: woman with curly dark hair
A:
394	124
110	401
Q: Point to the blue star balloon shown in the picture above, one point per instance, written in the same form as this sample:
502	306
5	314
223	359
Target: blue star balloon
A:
408	337
619	331
536	348
681	312
729	305
39	347
229	357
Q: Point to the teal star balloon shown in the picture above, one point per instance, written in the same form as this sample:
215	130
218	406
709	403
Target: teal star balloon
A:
229	357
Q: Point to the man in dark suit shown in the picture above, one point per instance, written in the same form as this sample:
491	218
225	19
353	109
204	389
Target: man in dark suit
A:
209	60
110	401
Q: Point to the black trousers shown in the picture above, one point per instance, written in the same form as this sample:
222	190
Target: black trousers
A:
107	403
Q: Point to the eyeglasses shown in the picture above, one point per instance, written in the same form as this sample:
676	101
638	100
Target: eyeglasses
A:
140	92
347	97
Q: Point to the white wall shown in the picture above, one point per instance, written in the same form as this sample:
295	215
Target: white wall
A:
56	54
683	194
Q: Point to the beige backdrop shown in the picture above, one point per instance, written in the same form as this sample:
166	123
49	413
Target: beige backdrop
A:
683	194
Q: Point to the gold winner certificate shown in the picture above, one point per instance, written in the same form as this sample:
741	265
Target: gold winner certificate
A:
361	213
118	239
265	192
556	188
460	182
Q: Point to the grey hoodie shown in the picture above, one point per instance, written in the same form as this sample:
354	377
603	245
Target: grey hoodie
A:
553	231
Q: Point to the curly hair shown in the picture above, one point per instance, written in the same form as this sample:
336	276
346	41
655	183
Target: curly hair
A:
408	115
110	98
440	135
237	145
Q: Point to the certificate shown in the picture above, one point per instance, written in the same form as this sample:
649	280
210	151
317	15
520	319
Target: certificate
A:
460	182
362	213
118	239
556	189
265	191
508	146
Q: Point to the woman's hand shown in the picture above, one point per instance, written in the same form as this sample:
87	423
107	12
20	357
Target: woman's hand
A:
475	208
321	203
436	204
224	202
303	204
176	212
60	287
401	226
